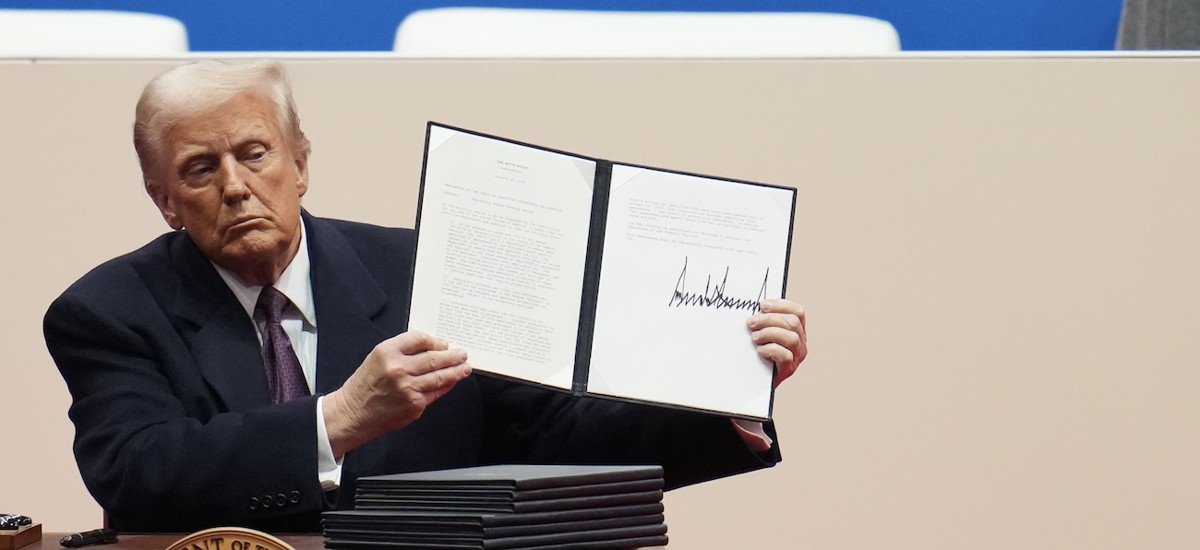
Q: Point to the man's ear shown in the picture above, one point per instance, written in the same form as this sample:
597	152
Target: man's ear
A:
301	160
163	201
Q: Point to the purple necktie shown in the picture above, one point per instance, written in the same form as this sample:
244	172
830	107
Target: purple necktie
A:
285	379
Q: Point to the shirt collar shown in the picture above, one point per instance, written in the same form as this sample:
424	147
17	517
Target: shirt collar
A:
294	282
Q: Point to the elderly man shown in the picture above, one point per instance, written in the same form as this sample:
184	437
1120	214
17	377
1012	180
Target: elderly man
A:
246	368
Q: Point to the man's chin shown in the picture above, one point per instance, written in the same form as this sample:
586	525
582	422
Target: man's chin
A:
253	251
258	243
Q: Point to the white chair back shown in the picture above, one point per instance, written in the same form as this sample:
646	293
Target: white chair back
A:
81	33
508	33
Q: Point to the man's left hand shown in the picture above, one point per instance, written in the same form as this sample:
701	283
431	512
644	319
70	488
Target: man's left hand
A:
778	331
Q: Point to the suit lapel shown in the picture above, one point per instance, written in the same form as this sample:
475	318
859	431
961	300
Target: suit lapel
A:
347	301
224	342
222	338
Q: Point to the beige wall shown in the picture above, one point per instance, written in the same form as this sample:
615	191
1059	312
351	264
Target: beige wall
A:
1000	258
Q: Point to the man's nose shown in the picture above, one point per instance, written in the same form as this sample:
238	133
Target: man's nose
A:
234	187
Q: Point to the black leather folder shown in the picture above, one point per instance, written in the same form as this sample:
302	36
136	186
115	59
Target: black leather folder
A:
504	507
514	477
600	538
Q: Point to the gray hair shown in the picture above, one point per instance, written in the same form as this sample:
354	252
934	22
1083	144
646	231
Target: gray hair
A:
191	88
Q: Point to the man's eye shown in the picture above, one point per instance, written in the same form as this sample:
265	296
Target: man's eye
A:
256	153
198	170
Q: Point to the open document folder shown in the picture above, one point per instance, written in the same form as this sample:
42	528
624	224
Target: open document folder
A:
595	277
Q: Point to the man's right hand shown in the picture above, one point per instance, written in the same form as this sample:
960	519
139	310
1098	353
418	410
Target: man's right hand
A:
399	378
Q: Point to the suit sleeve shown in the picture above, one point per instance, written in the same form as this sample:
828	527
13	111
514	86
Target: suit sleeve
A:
526	424
156	461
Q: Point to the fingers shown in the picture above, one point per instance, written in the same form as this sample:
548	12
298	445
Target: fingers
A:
779	346
439	381
780	335
780	305
785	338
425	364
445	380
780	313
414	342
420	354
433	362
782	358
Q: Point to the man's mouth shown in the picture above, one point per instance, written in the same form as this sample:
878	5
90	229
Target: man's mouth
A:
244	222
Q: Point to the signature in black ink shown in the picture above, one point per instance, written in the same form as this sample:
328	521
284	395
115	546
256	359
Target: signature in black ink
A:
714	296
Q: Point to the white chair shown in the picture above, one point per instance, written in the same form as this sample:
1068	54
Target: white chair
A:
72	33
509	33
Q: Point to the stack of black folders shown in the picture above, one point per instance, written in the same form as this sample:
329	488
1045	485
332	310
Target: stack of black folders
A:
504	507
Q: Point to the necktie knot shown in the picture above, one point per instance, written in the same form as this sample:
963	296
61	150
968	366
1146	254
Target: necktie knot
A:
272	303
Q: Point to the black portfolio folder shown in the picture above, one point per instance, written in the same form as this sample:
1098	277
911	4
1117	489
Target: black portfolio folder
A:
515	488
505	507
523	506
505	494
336	528
605	544
519	541
518	478
487	523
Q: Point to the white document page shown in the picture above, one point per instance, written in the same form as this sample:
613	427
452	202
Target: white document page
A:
500	253
686	261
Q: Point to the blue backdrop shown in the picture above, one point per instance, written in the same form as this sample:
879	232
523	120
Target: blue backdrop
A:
366	25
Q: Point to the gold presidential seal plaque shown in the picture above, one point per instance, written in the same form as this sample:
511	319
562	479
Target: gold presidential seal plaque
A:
229	538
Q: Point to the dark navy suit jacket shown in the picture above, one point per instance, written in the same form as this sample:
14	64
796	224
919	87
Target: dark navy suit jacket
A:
175	430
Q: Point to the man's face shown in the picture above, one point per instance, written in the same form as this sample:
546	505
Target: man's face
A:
228	175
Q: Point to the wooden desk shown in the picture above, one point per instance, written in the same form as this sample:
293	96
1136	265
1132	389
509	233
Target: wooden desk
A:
158	542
